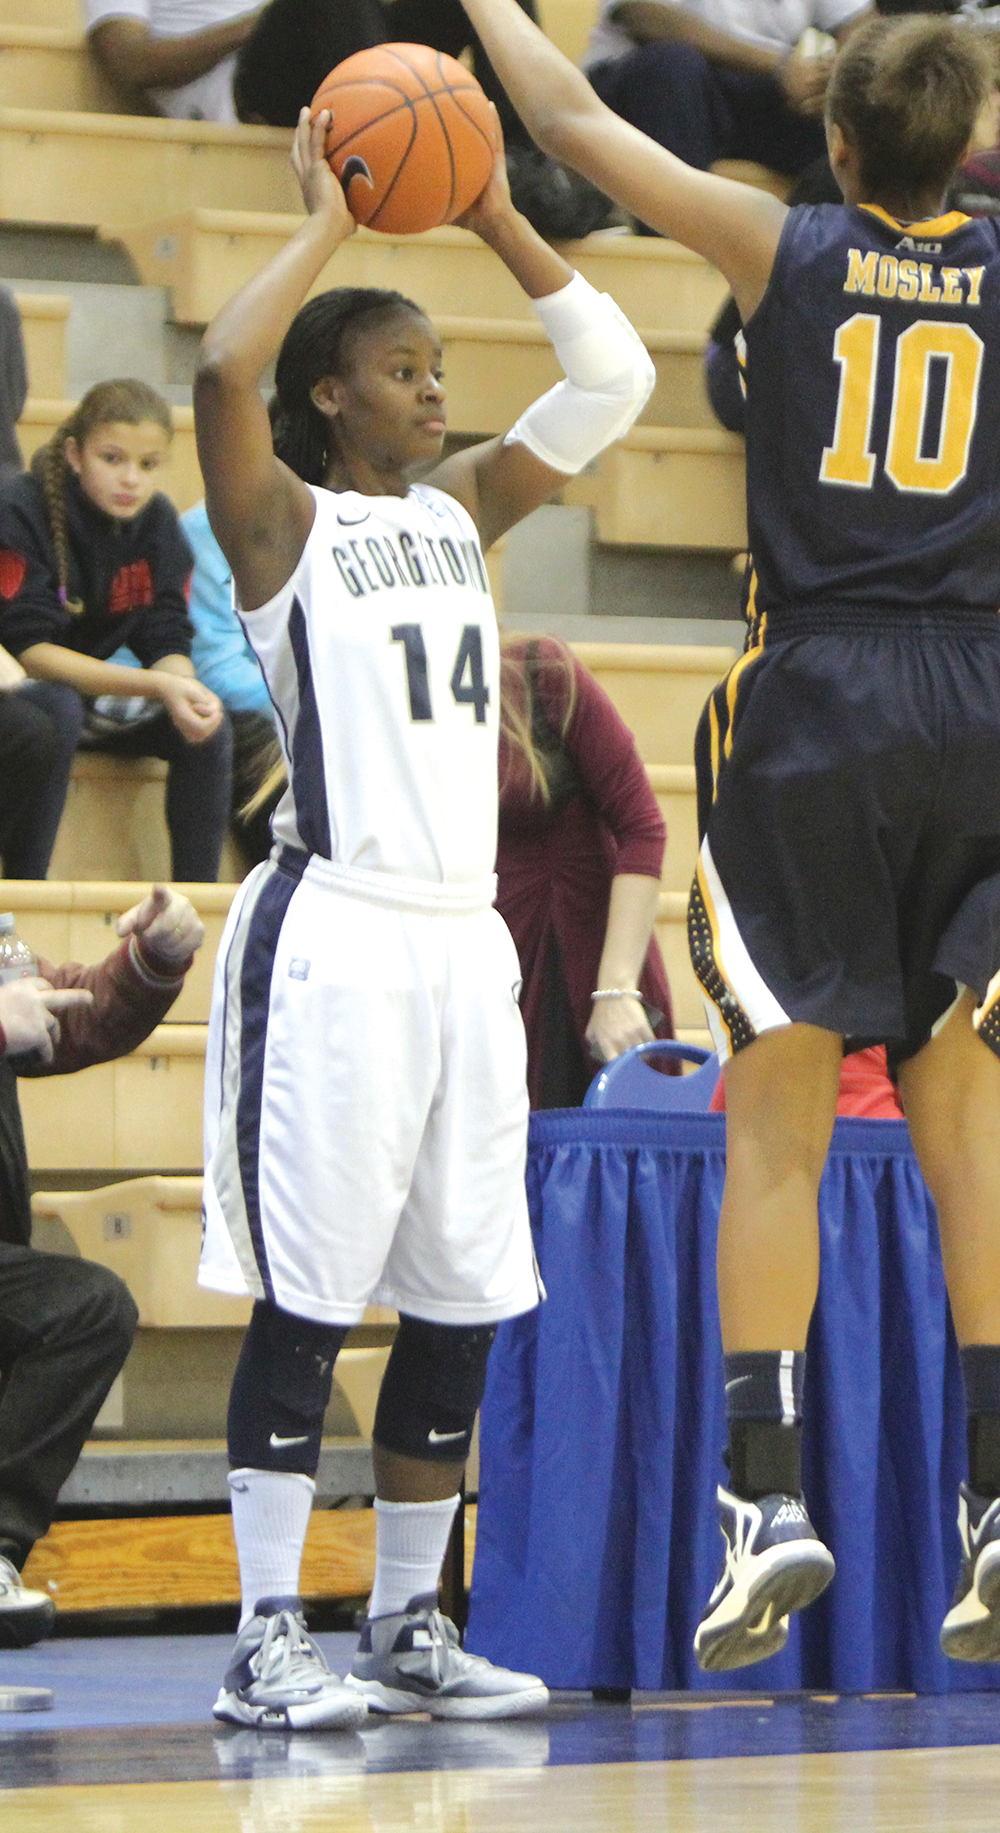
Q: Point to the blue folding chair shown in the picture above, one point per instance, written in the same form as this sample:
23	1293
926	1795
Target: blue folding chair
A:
629	1081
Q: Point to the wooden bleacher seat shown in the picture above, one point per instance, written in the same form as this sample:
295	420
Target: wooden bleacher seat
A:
143	1110
58	15
205	255
659	689
495	367
76	922
44	320
80	170
758	177
181	476
674	788
665	486
46	66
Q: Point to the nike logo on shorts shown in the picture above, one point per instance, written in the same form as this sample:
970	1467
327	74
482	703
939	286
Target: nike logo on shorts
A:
441	1438
737	1382
278	1444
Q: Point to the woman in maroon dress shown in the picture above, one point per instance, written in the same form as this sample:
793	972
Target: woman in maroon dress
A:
578	865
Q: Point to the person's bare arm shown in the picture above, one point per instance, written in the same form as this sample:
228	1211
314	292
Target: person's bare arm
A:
133	57
734	227
260	512
619	1023
649	23
194	710
500	484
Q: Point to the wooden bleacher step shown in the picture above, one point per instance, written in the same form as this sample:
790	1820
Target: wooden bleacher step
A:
495	367
120	163
191	1560
58	15
144	1109
668	487
568	23
659	689
205	254
44	321
76	922
50	67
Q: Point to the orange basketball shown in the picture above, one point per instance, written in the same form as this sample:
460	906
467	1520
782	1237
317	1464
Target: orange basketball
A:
412	138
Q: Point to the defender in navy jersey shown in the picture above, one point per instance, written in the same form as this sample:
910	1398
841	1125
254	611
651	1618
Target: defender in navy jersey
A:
848	883
366	1107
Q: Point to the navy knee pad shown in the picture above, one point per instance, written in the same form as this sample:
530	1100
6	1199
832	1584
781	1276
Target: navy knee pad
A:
281	1390
432	1389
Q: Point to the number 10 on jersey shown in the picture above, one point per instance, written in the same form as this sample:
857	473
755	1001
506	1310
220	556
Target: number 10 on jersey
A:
850	459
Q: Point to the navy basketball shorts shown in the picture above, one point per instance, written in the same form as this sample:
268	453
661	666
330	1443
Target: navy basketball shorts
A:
366	1111
849	809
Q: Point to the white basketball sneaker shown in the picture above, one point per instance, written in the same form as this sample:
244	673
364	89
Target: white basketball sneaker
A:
971	1630
278	1677
774	1564
413	1662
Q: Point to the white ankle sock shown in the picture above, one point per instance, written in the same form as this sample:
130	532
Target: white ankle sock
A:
270	1517
411	1539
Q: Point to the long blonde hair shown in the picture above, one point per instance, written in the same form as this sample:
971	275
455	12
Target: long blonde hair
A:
127	401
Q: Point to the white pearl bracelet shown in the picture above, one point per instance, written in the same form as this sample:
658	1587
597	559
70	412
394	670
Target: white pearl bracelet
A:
617	993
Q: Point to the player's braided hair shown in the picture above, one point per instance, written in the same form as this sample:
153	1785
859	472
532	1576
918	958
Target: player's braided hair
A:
126	401
905	92
315	346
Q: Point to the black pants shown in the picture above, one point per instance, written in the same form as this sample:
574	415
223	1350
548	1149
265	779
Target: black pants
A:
198	783
703	112
66	1327
37	744
297	43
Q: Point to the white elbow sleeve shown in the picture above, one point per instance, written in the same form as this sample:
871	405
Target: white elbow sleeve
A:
609	379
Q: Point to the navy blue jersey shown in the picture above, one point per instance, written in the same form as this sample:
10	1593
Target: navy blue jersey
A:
873	414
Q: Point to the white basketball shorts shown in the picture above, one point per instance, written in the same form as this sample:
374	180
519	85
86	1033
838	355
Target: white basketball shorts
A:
365	1102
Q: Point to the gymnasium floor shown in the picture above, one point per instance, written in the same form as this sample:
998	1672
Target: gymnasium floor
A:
131	1747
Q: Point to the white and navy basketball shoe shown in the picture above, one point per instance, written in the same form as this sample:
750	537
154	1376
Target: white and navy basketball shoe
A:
971	1630
413	1662
278	1678
25	1616
774	1564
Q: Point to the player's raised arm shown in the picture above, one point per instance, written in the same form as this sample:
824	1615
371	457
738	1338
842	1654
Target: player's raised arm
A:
609	377
733	226
260	512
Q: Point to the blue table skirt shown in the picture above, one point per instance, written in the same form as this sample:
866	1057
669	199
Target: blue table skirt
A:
602	1426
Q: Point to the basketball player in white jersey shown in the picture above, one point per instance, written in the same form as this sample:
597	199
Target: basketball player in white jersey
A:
365	1095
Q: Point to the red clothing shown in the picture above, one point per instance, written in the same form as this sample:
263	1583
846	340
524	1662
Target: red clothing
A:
865	1089
556	860
132	991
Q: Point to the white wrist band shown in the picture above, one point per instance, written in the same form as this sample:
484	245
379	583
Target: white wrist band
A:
609	378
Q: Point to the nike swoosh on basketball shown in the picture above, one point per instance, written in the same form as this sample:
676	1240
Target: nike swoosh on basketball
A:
278	1444
441	1438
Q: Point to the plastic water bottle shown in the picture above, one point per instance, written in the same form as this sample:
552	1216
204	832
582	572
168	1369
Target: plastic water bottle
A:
16	960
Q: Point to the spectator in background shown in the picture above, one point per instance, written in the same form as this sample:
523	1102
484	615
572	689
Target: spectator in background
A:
212	60
224	661
722	79
66	1325
92	557
581	842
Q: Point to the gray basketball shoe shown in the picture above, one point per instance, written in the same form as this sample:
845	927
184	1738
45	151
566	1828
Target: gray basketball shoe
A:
971	1630
413	1662
774	1564
278	1677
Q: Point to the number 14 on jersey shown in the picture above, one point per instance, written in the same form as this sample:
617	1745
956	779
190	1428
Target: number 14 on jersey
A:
468	681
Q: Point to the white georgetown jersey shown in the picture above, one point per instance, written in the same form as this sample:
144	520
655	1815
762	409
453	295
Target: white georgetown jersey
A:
382	659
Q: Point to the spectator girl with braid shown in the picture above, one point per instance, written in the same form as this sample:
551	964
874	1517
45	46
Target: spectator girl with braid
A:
93	560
